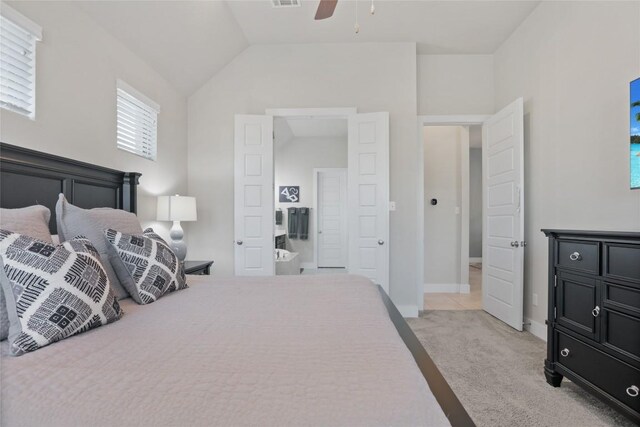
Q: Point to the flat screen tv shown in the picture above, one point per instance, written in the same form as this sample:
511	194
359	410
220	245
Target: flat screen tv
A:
634	146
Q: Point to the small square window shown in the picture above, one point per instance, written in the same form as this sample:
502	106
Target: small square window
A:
18	37
137	123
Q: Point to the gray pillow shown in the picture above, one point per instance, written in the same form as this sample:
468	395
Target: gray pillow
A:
151	268
53	292
91	223
32	221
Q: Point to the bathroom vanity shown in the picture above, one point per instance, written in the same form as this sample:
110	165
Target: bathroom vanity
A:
281	239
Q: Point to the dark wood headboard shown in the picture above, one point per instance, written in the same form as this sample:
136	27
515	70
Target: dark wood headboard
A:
29	177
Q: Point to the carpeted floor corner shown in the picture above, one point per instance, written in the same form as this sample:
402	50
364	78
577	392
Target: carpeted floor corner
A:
497	373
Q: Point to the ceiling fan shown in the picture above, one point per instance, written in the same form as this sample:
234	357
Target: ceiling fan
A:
325	9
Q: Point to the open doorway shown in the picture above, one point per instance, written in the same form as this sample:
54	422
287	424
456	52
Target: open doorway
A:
503	221
453	217
368	192
310	194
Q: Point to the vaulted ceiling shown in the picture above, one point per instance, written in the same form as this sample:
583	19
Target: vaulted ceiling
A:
187	42
438	27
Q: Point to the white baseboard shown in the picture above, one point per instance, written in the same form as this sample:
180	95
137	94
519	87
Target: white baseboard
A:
446	288
408	310
474	259
465	288
536	328
308	265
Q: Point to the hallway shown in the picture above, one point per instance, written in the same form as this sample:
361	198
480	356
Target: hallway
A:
450	301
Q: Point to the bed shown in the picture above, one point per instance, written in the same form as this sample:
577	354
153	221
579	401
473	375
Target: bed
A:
288	350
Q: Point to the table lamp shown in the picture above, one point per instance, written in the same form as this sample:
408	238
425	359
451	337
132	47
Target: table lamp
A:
177	208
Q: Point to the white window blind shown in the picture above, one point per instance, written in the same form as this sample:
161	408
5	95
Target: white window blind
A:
137	122
18	37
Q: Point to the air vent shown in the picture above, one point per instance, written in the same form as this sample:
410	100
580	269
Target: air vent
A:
285	3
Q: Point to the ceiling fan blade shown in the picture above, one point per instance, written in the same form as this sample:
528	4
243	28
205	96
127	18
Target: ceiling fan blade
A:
325	9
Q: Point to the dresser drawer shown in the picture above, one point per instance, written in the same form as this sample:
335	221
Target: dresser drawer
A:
621	333
622	261
582	256
603	371
622	298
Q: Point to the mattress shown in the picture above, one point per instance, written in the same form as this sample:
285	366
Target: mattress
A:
303	351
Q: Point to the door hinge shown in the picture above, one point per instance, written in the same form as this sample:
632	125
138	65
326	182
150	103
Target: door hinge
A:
555	281
555	315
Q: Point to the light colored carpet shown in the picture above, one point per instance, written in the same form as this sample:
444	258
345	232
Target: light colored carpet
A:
497	373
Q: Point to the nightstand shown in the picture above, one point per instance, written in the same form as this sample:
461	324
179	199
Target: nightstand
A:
200	268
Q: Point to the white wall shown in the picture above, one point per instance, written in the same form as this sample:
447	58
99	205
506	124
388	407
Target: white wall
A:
475	202
294	163
77	67
455	84
442	225
572	62
369	76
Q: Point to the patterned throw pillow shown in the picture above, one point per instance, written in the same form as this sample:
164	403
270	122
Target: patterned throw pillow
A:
152	269
53	292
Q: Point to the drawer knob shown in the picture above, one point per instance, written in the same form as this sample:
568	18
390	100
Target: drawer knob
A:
633	391
595	311
239	242
564	352
575	256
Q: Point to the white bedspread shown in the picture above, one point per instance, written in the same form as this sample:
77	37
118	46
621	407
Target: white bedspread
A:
304	350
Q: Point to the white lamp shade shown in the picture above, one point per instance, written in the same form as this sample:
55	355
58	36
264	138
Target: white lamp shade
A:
176	208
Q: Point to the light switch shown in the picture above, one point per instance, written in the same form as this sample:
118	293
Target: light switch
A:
392	206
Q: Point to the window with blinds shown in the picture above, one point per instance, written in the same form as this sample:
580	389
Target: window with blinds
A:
137	124
18	37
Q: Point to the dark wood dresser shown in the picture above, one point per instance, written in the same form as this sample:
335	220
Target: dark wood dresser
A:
593	326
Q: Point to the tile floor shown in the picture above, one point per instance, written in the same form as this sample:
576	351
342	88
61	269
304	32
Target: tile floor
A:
470	301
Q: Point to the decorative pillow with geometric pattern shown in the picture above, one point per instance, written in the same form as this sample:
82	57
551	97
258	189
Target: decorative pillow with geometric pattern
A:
151	269
53	291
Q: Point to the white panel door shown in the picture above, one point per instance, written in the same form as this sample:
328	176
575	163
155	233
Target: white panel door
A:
368	184
503	215
253	193
332	218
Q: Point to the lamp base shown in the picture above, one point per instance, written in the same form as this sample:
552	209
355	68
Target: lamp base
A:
178	245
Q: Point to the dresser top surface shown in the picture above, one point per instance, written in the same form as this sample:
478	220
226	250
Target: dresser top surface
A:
592	233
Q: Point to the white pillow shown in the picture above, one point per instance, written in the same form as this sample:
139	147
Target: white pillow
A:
53	292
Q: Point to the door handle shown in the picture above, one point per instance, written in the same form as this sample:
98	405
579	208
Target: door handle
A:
596	311
239	242
515	244
381	242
